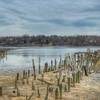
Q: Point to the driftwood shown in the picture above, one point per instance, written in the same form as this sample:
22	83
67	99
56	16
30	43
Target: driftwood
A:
48	83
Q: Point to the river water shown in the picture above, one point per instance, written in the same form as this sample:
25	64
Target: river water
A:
20	58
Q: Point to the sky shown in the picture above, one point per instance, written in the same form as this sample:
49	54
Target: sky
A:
49	17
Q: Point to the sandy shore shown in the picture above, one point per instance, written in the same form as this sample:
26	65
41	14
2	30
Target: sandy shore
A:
87	89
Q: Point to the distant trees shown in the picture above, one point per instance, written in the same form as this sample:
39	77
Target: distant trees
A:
53	40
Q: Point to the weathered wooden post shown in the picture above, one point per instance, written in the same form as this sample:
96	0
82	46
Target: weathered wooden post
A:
78	76
18	93
0	91
17	76
69	83
55	64
24	74
38	91
81	75
51	65
58	80
42	78
60	90
46	97
27	80
63	80
15	82
46	67
64	63
34	73
26	97
28	73
60	62
73	75
82	69
56	94
23	82
33	87
39	65
85	69
65	88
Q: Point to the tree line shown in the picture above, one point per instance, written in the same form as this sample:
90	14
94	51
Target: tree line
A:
53	40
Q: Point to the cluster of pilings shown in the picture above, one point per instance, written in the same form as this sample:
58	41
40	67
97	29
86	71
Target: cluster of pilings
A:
3	53
67	72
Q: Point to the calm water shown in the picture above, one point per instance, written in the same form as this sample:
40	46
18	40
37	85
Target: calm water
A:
21	58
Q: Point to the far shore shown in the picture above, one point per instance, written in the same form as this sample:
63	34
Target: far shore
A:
37	46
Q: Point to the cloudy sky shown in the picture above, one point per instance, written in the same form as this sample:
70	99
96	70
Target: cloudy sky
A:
61	17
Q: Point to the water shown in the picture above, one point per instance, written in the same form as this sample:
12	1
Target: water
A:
19	59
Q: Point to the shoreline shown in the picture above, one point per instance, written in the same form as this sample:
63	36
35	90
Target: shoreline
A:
25	46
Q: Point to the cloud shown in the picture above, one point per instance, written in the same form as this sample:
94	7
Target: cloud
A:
95	8
18	17
84	23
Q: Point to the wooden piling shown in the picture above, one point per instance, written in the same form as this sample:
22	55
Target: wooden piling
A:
38	91
56	94
64	63
34	73
18	93
15	82
39	66
28	73
46	67
27	80
55	64
0	91
73	79
60	62
24	74
33	86
78	76
51	65
47	93
69	83
60	90
65	88
17	77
